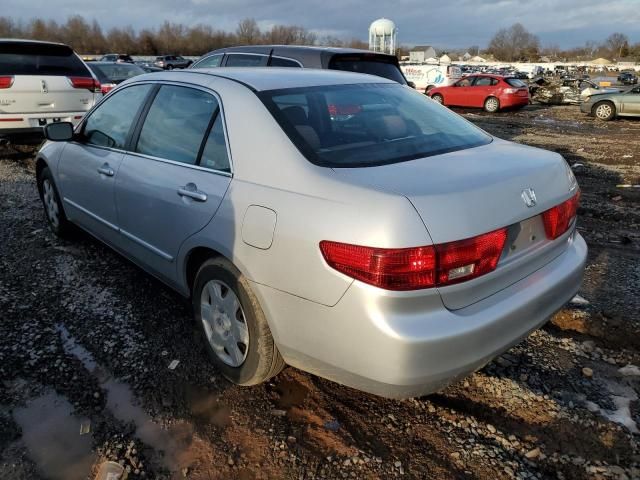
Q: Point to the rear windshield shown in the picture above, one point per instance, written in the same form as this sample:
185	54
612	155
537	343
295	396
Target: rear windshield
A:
514	82
40	59
373	65
116	72
368	124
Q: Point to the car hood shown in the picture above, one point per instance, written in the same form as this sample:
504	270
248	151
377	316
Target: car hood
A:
469	192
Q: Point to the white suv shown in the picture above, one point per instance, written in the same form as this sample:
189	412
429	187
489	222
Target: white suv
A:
41	83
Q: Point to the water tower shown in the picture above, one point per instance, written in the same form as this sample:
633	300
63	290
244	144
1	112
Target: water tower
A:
382	36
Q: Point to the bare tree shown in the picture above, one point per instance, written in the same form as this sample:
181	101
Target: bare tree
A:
248	32
514	43
617	44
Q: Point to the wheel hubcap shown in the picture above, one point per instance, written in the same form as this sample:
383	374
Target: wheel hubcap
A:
603	111
224	323
492	104
438	98
50	203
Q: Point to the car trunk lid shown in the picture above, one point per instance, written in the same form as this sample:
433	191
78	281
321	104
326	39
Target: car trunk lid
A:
466	193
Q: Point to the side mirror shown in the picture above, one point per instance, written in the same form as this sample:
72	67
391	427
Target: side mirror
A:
59	131
412	85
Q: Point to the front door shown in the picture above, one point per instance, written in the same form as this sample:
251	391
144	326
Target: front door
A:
631	102
458	93
172	183
90	164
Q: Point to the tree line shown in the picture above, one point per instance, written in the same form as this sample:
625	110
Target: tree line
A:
168	39
516	43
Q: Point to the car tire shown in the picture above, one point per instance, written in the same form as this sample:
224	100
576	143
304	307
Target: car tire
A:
53	210
438	98
428	89
604	111
491	105
169	67
232	324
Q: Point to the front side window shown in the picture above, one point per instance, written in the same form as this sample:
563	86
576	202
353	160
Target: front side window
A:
109	124
465	82
176	124
368	124
210	61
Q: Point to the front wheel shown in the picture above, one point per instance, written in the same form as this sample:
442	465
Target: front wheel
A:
54	213
170	67
233	326
604	111
438	98
491	105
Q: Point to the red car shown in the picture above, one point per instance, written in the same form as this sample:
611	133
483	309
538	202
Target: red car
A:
491	92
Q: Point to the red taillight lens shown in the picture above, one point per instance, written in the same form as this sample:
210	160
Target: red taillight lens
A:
470	258
85	82
389	268
419	267
557	219
6	81
107	87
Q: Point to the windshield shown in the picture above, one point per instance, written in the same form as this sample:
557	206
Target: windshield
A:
116	72
39	59
371	64
368	124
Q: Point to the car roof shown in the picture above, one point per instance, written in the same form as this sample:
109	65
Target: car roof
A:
35	42
262	79
267	49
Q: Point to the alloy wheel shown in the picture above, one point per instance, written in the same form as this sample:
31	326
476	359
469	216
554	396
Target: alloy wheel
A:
604	111
224	323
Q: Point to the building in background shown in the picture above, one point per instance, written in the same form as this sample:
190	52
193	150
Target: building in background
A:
422	53
383	36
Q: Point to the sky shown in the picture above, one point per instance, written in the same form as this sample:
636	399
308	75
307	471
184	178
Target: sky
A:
443	23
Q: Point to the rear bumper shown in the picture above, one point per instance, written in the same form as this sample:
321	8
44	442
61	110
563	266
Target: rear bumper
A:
406	344
23	126
513	101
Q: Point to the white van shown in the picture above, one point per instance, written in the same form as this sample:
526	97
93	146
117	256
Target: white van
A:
41	83
426	76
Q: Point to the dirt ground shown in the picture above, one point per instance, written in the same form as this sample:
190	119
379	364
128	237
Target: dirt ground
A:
86	340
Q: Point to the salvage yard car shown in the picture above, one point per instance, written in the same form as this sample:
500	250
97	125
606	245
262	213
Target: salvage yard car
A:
491	92
110	74
40	83
611	105
300	56
349	226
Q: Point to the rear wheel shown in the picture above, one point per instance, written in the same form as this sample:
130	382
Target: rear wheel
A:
604	111
170	67
438	98
233	326
491	105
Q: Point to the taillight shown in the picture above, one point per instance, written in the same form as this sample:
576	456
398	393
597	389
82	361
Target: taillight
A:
510	91
419	267
6	81
107	87
87	83
558	219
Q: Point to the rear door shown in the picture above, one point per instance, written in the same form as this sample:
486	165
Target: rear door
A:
173	181
88	166
47	78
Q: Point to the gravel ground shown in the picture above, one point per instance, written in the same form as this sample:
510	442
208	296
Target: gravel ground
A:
86	340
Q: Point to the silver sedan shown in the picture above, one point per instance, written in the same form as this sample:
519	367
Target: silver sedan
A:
340	223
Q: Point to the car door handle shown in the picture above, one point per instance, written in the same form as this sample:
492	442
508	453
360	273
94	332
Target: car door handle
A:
191	190
105	169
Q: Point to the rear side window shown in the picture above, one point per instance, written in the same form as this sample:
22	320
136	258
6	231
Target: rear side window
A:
176	124
283	62
515	82
210	61
370	64
365	125
215	154
40	59
244	60
485	82
109	124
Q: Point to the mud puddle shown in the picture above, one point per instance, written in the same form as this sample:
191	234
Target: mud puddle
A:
52	435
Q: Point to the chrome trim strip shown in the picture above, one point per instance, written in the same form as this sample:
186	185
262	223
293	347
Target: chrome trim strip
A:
181	164
92	215
146	245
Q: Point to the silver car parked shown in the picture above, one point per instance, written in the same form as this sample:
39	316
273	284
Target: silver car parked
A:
340	223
